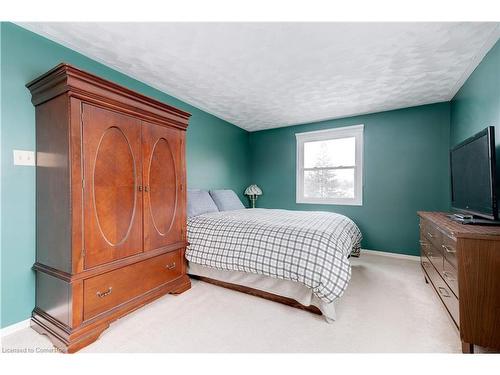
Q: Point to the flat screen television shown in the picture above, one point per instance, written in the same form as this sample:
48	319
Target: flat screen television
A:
473	187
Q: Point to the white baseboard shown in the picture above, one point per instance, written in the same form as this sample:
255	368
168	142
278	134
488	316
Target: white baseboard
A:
391	255
15	327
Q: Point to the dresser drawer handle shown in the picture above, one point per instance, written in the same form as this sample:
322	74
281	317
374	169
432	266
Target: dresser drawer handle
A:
170	266
104	294
448	249
448	275
425	245
430	234
443	292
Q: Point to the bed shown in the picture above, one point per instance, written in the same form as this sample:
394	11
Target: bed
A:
296	257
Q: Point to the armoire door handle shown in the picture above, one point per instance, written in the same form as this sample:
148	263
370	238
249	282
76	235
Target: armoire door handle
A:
146	189
140	187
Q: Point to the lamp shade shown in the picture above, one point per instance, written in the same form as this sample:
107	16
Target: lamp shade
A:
253	190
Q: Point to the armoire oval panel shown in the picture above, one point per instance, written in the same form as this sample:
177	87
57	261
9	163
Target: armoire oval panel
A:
112	174
163	167
162	186
114	187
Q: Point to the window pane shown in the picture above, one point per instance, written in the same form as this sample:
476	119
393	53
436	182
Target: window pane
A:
330	183
330	153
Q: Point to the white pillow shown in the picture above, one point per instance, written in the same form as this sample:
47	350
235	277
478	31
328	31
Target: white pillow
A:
226	200
199	202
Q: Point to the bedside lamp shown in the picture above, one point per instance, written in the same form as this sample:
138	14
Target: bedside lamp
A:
253	191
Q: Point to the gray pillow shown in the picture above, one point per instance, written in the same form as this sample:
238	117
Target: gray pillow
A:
199	202
226	200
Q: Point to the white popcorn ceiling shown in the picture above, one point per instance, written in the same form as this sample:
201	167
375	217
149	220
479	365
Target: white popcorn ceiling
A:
267	75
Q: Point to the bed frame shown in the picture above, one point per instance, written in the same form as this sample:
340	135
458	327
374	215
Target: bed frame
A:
259	293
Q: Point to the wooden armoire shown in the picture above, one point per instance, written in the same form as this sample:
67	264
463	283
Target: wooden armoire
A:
110	204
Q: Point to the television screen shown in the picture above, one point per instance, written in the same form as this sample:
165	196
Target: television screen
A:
473	175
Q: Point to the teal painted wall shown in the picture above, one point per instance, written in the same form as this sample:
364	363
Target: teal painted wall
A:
217	154
477	104
405	170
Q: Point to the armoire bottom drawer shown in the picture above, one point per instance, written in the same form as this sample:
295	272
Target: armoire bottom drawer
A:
103	292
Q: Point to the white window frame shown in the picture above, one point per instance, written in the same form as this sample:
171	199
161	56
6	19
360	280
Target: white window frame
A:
355	131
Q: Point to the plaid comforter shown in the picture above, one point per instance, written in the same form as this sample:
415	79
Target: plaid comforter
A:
311	248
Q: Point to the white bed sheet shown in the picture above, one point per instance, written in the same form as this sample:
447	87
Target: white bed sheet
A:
285	288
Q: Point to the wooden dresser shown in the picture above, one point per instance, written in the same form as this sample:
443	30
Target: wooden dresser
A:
110	204
462	263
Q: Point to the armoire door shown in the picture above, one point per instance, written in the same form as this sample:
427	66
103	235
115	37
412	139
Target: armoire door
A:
163	176
112	184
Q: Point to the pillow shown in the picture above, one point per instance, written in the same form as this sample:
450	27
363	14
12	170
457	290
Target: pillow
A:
199	202
226	200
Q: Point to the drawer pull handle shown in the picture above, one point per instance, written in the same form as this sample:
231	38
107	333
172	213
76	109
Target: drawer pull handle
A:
448	275
104	294
426	248
443	292
448	249
170	266
430	234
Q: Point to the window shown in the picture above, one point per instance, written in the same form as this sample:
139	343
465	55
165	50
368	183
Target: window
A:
330	166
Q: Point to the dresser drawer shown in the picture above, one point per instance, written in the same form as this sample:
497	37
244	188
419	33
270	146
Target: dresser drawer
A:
450	276
449	272
437	256
432	252
427	247
431	232
450	250
443	290
103	292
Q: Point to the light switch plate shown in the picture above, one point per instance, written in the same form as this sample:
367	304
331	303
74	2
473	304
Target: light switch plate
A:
22	157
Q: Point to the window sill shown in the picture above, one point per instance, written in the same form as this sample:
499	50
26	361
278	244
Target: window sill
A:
337	202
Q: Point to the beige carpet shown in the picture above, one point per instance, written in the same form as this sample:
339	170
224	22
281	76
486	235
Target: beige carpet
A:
387	308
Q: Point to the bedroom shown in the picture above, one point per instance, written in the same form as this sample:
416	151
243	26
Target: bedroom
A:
150	136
